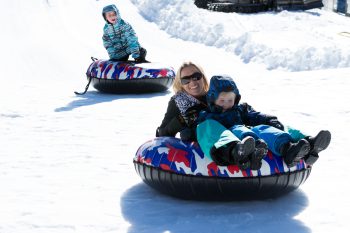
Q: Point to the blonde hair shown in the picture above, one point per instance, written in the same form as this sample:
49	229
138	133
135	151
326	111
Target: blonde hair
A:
177	86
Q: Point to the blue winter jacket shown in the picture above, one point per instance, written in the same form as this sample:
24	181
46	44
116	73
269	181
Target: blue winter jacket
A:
119	39
239	114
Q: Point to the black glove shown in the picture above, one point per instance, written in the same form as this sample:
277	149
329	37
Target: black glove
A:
140	60
275	123
143	52
190	116
142	56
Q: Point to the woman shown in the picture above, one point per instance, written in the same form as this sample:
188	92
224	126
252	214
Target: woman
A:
190	87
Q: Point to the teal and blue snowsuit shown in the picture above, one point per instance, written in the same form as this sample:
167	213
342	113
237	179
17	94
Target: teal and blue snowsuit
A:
218	129
119	39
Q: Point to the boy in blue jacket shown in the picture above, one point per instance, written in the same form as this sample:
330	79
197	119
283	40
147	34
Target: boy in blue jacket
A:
119	38
223	129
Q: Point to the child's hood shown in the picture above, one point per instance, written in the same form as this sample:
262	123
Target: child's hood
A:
111	8
219	84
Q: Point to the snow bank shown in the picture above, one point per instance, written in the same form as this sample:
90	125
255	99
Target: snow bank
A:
277	40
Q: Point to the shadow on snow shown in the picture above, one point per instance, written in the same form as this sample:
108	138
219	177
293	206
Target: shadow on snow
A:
149	211
95	97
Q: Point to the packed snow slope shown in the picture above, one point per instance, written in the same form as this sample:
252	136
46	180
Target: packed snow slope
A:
66	160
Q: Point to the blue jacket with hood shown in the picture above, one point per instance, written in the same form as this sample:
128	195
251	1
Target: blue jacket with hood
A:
119	39
217	129
239	114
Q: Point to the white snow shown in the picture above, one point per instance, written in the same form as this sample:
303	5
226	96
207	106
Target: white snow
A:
66	160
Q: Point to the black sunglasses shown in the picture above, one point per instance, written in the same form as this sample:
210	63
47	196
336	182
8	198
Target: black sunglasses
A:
194	77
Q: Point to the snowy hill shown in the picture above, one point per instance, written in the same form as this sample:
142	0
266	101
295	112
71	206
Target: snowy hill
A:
278	40
66	160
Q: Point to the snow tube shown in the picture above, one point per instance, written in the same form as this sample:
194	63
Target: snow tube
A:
129	77
180	169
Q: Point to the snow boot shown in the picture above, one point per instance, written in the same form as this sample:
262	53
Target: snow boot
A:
258	154
317	144
292	153
222	155
241	151
310	159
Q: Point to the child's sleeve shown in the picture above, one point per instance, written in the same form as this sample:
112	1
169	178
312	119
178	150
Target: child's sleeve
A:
253	118
133	44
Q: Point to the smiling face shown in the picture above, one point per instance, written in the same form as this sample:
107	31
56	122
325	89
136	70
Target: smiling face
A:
111	17
194	87
226	100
